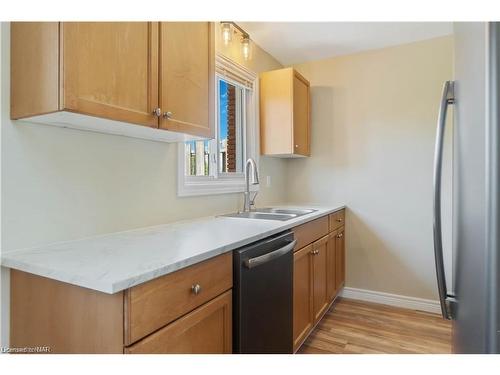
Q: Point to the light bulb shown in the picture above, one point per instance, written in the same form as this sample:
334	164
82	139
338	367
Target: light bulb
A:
246	48
226	32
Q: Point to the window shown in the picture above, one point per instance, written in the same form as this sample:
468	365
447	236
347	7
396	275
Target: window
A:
217	166
231	127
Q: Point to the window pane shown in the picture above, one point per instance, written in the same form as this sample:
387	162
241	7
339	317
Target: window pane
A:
197	156
231	115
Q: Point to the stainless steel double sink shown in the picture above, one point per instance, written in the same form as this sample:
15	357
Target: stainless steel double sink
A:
280	214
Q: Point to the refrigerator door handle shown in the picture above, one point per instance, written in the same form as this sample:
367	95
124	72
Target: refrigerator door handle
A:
447	98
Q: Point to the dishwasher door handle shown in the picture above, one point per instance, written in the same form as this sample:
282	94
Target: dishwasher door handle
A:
257	261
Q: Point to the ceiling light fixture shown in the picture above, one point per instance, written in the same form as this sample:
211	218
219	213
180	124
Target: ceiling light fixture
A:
226	28
246	48
226	32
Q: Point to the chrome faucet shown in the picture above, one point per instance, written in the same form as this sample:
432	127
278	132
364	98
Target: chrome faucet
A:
250	179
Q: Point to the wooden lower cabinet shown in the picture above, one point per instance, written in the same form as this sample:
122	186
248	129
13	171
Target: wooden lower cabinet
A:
71	319
320	273
67	318
340	258
331	261
311	231
156	303
302	294
206	330
64	318
310	288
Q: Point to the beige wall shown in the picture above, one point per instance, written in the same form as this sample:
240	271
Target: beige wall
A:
373	121
61	184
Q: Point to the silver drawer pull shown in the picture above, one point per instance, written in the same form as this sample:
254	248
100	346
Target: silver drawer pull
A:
340	235
196	289
339	219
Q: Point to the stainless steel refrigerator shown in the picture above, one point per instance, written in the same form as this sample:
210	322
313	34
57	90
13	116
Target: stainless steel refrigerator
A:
471	300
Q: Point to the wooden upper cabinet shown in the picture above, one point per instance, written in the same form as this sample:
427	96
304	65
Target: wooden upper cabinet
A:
110	70
301	125
105	76
187	75
34	54
303	319
285	113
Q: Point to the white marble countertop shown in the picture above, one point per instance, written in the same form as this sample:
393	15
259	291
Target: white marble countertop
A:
113	262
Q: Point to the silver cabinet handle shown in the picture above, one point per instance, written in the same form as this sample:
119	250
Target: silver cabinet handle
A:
447	98
339	219
167	115
157	112
196	289
257	261
340	235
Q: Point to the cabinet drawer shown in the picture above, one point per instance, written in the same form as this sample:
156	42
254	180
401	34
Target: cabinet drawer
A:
310	232
154	304
206	330
337	220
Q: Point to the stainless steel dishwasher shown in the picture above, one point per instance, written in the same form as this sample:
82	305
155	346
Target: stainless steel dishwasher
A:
262	296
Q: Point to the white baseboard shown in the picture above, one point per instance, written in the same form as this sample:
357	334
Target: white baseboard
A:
406	302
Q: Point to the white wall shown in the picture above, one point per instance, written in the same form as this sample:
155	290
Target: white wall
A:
373	129
61	184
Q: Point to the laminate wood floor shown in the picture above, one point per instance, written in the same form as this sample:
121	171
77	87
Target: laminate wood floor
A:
352	326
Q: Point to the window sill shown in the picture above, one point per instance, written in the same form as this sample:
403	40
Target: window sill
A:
212	187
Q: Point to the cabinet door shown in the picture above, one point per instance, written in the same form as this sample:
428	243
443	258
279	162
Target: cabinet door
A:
206	330
320	272
301	125
110	70
34	68
331	289
340	258
158	302
302	294
187	77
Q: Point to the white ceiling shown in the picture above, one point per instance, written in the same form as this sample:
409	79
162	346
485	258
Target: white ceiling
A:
296	42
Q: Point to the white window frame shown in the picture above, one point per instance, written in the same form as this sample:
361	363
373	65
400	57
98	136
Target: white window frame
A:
225	183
